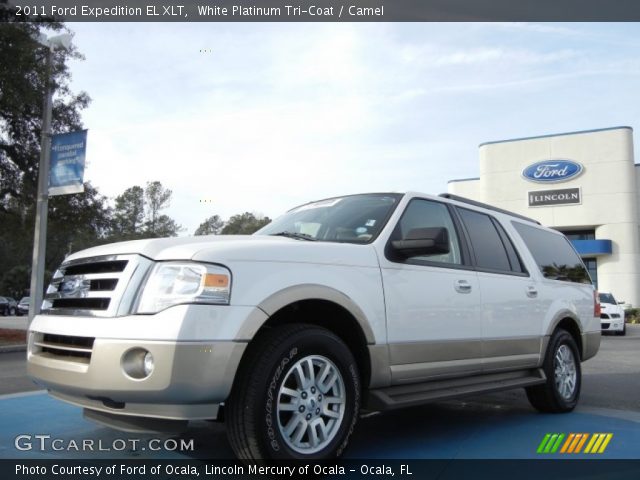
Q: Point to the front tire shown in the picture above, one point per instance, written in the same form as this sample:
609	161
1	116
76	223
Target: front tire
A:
297	396
561	391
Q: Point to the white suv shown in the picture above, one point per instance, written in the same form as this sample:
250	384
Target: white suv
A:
612	316
373	301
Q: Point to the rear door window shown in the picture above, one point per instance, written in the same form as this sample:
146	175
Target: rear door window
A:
491	246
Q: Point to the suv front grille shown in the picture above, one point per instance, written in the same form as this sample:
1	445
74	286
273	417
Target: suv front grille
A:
82	303
94	286
63	347
113	266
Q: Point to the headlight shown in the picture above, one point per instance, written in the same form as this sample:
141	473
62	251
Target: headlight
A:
173	283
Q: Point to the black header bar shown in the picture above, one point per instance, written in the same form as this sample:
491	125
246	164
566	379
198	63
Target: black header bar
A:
451	469
324	10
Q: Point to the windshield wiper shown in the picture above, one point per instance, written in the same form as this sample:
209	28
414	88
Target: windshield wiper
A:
298	236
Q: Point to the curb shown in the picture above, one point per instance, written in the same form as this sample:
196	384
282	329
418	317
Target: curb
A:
13	348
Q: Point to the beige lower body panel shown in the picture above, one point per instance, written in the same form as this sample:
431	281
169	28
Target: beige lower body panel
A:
590	344
424	361
188	381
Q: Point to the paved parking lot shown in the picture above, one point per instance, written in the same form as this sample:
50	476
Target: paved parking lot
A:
500	425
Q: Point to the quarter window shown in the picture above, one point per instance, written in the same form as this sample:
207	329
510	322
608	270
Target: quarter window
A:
554	255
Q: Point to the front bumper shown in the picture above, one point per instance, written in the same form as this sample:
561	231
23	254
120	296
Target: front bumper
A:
196	349
612	325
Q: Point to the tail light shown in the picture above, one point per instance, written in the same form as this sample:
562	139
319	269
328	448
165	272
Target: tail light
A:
597	310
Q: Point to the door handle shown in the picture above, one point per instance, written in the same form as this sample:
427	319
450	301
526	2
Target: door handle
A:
462	286
532	292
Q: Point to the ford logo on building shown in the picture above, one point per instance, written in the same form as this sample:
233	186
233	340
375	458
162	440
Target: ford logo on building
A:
550	171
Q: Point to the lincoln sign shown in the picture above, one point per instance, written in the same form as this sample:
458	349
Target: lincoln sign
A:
543	198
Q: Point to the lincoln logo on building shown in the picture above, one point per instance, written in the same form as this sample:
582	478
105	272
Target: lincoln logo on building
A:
552	171
565	196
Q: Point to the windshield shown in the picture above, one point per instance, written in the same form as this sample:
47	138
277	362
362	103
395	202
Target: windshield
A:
351	219
607	298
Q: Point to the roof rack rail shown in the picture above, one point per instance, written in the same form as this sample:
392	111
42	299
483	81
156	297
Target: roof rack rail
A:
458	198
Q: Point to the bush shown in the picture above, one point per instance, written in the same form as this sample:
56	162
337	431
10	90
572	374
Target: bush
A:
632	315
15	282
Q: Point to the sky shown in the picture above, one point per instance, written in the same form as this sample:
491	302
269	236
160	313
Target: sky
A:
262	117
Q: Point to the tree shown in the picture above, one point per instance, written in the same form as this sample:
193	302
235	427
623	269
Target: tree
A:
76	222
15	282
128	218
245	224
137	214
158	198
211	226
22	87
165	226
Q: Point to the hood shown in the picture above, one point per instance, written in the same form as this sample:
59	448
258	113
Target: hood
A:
234	248
609	306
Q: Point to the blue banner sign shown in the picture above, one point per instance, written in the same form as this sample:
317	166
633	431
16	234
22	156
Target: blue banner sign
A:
68	152
550	171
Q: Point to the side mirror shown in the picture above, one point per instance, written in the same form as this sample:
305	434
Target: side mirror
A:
423	241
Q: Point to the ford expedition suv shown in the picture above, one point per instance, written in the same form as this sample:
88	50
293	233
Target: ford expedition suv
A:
374	301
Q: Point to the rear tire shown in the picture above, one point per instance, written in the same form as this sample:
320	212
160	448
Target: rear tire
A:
298	396
561	391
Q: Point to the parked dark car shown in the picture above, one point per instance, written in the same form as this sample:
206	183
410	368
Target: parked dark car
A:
23	306
8	306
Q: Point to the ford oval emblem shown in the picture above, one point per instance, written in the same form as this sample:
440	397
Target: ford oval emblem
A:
550	171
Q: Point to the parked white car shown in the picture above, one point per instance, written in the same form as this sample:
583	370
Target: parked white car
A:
612	316
374	301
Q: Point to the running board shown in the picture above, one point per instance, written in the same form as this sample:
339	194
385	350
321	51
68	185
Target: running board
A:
419	393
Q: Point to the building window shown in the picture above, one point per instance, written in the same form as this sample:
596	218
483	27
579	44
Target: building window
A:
580	234
592	267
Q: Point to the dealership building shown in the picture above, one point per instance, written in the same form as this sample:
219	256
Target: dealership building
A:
584	184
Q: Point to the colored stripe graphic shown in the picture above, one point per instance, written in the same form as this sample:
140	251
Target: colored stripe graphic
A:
568	442
574	443
605	443
550	443
556	445
577	443
543	443
582	440
598	443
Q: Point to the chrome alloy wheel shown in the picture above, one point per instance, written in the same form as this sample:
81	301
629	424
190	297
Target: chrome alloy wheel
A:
311	404
565	372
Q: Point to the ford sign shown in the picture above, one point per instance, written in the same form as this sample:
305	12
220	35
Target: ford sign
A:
550	171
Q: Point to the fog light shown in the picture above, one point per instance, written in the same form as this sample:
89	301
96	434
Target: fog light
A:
137	363
148	364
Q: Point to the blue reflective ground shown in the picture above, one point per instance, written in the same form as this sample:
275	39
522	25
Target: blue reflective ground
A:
454	430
